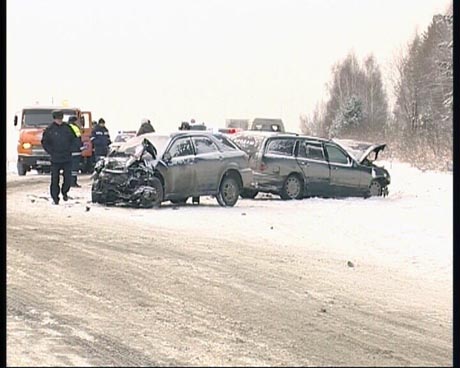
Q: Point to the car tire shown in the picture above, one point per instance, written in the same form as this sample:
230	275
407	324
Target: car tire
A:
22	170
95	197
229	192
156	184
179	200
248	193
375	189
292	188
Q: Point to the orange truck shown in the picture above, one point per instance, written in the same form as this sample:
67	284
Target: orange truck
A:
32	123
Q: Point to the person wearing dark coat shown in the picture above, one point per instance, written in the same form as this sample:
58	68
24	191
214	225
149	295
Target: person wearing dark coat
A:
57	141
146	127
100	138
77	147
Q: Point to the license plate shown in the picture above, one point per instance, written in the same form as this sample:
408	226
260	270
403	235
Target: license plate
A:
42	162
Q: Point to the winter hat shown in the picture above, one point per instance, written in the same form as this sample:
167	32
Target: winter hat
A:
58	114
72	118
101	121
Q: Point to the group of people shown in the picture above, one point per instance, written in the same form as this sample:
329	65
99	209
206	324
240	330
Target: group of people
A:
63	142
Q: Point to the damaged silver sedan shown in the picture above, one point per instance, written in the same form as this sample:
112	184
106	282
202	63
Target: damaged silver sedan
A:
152	168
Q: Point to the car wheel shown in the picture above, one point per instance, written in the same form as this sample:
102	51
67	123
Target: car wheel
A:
229	192
248	193
95	197
21	169
179	200
375	189
155	183
292	188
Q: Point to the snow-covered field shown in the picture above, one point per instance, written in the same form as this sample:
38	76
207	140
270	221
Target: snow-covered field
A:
411	229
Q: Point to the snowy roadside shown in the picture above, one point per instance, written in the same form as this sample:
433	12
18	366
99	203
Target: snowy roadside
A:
410	230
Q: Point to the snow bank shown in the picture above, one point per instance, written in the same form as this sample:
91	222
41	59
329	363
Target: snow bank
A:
411	229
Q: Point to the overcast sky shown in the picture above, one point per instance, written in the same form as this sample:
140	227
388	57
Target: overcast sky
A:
210	60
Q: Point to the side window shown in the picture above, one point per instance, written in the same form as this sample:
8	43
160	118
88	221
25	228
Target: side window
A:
311	151
336	156
226	145
181	147
204	145
284	147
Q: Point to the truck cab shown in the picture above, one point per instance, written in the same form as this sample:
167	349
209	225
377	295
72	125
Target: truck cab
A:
32	122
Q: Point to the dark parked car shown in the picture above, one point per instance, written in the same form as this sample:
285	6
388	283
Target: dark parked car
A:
153	168
295	166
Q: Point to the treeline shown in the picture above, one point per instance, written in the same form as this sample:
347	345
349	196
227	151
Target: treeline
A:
418	124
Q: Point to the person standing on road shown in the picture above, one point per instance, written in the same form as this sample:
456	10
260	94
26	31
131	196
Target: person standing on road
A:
100	138
146	127
77	147
57	141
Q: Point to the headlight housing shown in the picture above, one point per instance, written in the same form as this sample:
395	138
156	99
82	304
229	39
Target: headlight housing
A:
374	173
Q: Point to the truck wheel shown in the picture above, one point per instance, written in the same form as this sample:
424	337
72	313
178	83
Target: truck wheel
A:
21	169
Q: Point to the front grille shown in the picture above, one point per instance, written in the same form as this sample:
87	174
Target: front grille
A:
114	179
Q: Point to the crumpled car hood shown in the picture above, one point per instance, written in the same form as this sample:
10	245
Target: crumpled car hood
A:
360	150
116	164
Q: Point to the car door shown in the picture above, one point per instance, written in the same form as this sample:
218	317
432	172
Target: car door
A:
315	167
209	163
278	162
345	175
180	178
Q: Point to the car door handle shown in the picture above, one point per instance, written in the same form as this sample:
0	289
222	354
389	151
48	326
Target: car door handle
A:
305	164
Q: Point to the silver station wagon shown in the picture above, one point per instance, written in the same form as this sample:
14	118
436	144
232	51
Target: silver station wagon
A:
296	166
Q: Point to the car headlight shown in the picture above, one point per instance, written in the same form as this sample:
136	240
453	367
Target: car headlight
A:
26	145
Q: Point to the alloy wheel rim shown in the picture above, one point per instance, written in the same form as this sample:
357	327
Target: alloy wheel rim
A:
293	187
229	192
375	189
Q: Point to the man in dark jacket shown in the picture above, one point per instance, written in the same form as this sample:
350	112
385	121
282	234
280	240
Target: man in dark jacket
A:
146	127
77	147
57	140
101	140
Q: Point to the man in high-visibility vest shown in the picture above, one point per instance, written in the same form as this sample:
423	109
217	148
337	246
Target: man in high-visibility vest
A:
77	147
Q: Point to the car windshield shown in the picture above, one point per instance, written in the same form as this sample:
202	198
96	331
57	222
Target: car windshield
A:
43	117
159	141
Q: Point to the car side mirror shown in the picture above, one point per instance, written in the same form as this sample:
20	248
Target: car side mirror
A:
15	120
167	157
